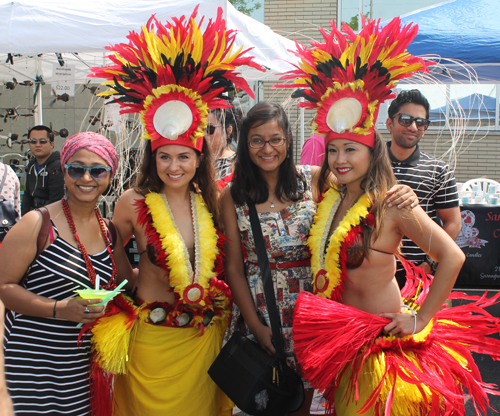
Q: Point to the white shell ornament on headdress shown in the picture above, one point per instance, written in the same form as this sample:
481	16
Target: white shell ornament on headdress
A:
172	119
344	114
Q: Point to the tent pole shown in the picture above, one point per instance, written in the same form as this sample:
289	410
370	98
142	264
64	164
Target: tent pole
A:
497	94
37	86
448	100
302	112
339	14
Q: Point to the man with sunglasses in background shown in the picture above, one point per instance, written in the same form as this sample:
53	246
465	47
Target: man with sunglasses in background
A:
430	178
44	178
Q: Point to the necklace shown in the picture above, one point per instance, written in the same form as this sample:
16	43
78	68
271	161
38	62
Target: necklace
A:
326	268
191	285
272	202
88	263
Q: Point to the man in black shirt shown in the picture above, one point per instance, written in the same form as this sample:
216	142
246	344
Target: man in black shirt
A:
430	178
44	178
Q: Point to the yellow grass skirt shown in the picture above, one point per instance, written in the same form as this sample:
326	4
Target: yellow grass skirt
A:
167	373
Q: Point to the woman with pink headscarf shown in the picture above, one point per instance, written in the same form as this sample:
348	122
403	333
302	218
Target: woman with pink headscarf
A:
47	371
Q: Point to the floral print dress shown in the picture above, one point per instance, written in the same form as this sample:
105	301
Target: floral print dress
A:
285	234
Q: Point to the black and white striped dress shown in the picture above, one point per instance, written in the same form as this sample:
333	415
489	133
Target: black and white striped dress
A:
47	373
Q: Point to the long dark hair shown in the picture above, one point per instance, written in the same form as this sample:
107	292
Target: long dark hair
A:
379	179
248	182
203	180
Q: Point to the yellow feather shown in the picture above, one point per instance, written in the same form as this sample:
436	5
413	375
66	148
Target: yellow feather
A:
320	230
197	44
307	68
216	42
181	274
217	58
110	341
230	57
321	56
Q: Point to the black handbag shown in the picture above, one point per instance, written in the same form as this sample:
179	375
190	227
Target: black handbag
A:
8	214
259	384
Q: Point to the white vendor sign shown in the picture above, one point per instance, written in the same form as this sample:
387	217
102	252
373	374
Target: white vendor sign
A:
64	80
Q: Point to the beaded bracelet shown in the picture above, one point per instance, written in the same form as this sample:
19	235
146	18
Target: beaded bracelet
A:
414	314
54	311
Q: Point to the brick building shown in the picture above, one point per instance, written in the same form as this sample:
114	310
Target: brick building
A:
477	151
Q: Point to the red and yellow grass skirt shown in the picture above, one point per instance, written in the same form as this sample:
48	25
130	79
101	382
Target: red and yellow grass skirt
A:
343	353
151	358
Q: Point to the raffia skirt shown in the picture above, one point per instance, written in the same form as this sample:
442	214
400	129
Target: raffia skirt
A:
343	353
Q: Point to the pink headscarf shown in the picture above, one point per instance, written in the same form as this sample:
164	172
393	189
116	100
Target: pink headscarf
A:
93	142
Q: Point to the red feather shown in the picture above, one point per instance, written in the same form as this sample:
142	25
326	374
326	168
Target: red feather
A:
101	390
331	338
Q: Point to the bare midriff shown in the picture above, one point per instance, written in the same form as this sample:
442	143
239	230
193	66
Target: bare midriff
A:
372	287
153	284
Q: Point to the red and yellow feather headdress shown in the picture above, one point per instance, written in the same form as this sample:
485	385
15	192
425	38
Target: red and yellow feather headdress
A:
173	74
347	77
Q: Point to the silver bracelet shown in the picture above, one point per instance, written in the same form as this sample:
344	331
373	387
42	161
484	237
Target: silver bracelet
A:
414	314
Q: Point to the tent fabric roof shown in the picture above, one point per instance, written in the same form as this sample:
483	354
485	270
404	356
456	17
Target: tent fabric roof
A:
474	106
465	30
85	27
459	29
45	26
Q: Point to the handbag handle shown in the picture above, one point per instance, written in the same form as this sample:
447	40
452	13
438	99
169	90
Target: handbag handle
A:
43	234
3	177
265	269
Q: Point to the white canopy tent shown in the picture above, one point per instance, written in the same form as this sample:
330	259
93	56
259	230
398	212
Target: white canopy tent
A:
37	36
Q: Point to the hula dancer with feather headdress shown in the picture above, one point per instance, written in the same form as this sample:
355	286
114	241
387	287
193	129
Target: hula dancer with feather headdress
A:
159	343
285	199
373	349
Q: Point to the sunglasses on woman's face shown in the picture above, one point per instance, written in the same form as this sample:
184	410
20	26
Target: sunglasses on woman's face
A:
211	129
98	173
406	120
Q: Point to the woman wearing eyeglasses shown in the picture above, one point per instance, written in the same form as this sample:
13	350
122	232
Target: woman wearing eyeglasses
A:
221	131
373	349
47	371
285	198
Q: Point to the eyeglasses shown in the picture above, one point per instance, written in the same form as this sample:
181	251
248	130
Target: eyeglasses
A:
41	141
211	129
260	143
97	173
406	120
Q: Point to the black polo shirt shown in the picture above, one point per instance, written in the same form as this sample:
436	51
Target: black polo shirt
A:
434	183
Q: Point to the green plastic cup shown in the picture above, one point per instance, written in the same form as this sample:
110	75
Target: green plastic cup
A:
95	294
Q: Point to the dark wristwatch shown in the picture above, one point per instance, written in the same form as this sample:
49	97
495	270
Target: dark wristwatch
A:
431	262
